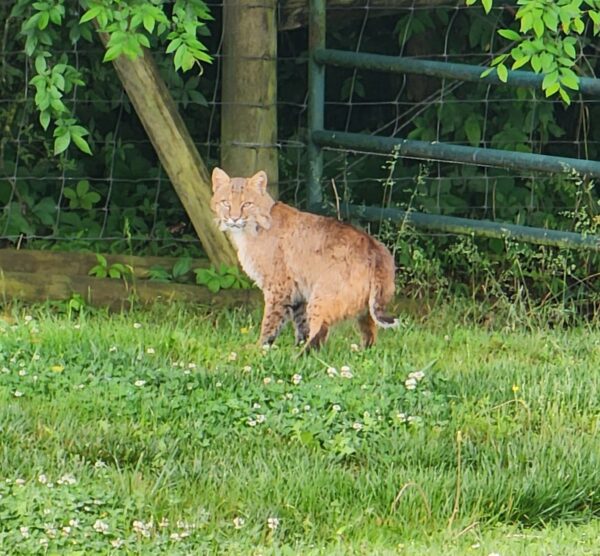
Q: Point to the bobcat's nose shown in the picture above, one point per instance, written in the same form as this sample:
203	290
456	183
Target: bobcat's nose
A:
235	222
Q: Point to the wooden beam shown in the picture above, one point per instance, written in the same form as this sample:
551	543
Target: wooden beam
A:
175	148
79	264
114	294
293	14
249	90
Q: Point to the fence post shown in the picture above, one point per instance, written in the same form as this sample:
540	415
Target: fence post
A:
316	101
249	95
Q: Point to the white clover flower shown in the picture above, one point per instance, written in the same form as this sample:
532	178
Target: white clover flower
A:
307	407
261	418
5	370
414	419
100	526
267	380
255	406
22	372
410	383
137	325
150	351
345	372
142	528
19	482
218	384
24	531
77	326
239	522
112	349
28	318
295	411
336	407
175	537
297	379
232	356
164	522
187	372
117	543
247	368
36	357
251	422
43	541
17	394
66	530
401	417
357	426
74	522
67	480
279	381
417	375
139	383
191	365
273	523
354	347
332	371
42	479
100	464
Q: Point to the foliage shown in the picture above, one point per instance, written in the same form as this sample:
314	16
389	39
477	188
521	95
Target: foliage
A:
115	270
129	27
550	35
170	431
222	278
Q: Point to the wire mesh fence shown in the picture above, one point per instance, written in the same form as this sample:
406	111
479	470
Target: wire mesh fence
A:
120	198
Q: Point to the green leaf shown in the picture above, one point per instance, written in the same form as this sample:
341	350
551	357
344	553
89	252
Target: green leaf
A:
569	79
91	14
40	64
45	119
112	52
81	144
520	62
502	73
565	96
62	142
473	130
213	285
182	266
149	22
227	281
487	5
83	186
509	34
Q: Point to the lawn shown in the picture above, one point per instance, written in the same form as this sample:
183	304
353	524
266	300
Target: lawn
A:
169	431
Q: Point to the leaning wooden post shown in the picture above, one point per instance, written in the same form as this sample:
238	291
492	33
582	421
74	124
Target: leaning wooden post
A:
175	148
249	90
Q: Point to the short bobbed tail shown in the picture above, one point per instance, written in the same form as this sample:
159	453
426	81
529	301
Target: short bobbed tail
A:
382	289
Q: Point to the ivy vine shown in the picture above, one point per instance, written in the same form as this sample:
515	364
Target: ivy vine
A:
130	25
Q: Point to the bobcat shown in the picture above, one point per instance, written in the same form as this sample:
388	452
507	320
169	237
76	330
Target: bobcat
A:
312	269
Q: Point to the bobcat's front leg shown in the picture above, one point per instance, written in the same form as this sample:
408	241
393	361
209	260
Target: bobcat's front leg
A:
275	315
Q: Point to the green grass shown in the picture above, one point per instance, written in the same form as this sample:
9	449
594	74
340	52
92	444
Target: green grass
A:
160	431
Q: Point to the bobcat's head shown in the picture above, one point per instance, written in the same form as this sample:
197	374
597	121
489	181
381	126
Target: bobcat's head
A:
241	203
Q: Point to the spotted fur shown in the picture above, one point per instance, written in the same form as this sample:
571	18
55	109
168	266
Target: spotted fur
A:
313	270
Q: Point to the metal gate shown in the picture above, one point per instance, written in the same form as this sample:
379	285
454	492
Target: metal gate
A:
319	138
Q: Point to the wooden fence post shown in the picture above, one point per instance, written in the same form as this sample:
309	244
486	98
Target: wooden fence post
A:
249	90
175	148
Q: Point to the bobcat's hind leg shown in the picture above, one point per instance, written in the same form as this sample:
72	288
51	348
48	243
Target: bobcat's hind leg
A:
275	316
300	321
368	329
319	321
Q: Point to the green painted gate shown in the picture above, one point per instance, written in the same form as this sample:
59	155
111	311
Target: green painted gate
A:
319	138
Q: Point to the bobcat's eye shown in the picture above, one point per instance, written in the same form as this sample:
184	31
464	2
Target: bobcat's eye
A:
226	204
247	204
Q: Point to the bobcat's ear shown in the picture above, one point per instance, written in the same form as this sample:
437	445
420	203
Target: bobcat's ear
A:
219	178
259	181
